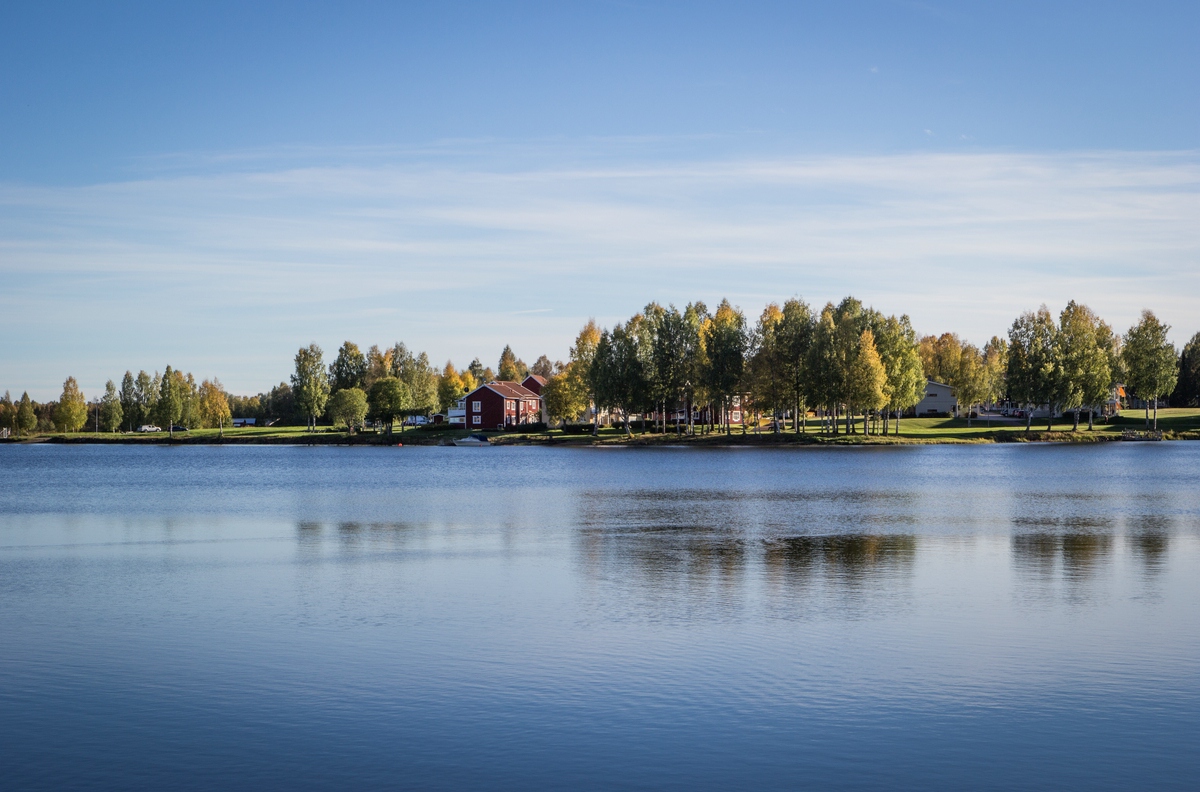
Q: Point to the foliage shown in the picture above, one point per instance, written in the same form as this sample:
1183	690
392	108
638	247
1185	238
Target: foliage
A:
26	417
349	368
566	394
450	387
310	383
1151	364
725	344
169	405
70	414
111	412
866	377
510	369
1187	385
349	406
1034	370
544	368
213	405
389	399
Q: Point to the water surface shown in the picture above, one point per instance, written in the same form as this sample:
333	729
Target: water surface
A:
1004	617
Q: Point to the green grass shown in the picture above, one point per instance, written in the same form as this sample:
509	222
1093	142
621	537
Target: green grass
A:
1176	422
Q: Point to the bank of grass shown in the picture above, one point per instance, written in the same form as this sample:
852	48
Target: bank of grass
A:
1175	423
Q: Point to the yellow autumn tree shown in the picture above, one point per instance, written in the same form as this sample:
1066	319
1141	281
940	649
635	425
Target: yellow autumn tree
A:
214	407
867	380
71	412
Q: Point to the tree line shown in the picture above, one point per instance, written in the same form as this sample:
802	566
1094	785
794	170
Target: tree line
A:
691	369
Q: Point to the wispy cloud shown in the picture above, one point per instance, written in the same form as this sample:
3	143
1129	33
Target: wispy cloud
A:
233	267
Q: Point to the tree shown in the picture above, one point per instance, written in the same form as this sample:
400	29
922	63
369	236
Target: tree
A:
669	353
1187	385
111	412
348	406
511	369
582	353
897	344
419	377
995	364
310	384
349	368
970	381
213	405
1151	364
794	335
70	414
450	387
544	368
129	401
8	413
379	365
480	374
169	406
725	343
820	367
147	396
1084	343
1034	370
866	379
26	417
940	357
566	394
618	373
767	365
388	400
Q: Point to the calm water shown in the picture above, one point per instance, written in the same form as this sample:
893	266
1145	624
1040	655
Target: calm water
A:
1021	617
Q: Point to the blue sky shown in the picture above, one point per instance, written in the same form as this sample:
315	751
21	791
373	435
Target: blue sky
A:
214	185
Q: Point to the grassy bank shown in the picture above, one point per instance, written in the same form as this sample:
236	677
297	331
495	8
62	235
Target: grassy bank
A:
1175	423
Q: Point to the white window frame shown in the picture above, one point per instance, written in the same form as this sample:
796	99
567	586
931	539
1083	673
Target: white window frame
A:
476	419
476	406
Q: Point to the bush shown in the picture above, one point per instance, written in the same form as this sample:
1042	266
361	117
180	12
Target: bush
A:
577	428
529	427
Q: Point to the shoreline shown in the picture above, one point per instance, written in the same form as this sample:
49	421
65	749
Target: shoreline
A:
416	438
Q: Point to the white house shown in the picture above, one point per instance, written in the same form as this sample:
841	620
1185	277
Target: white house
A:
938	400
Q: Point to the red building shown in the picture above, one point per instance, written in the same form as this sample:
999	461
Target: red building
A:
499	405
534	383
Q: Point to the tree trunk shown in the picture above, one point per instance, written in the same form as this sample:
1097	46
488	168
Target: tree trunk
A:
1050	417
1156	413
1028	419
1091	413
1076	427
1147	402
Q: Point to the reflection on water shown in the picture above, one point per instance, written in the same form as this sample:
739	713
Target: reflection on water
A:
931	618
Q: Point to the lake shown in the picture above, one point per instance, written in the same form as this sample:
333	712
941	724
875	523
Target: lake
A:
932	617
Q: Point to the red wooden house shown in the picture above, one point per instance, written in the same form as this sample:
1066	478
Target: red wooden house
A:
499	405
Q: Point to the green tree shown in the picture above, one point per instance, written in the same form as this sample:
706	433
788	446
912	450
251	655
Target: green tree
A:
388	400
111	412
1084	344
1034	370
1151	364
147	397
8	413
898	349
821	368
618	372
379	365
794	335
129	402
1187	385
348	406
725	343
582	353
767	365
169	406
70	414
26	416
349	368
310	383
970	381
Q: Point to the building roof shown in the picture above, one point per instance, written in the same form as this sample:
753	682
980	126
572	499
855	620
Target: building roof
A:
509	390
538	378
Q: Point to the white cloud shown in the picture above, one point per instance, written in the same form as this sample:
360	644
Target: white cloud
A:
233	269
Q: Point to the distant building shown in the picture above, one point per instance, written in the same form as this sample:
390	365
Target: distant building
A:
938	400
500	405
534	384
241	422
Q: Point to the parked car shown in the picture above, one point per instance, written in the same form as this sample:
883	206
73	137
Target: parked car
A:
148	428
179	428
416	420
